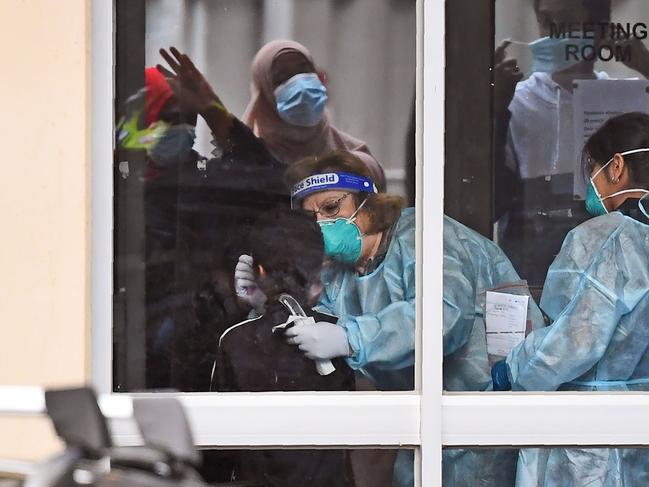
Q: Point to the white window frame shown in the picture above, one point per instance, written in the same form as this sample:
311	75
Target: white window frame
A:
275	419
427	418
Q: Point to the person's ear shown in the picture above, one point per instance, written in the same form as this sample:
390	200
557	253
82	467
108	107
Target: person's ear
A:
261	271
314	292
617	168
322	74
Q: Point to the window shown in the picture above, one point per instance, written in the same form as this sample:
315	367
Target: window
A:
529	84
345	420
563	106
331	419
199	185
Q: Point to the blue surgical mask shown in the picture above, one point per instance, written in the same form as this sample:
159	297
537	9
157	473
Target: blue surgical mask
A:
595	201
301	100
173	146
343	240
550	54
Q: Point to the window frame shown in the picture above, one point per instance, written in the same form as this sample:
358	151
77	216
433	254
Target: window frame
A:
260	419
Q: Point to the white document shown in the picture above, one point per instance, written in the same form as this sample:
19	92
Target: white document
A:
594	102
506	320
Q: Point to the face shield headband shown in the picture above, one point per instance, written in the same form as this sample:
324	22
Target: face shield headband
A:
331	181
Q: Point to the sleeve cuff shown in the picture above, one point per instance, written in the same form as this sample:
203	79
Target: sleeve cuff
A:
500	376
355	360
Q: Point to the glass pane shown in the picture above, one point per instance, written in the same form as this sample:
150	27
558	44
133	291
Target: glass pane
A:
147	466
561	99
310	467
556	466
221	130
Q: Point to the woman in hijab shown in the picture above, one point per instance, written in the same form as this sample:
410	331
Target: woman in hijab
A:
287	109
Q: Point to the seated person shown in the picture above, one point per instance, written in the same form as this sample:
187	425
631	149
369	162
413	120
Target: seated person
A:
253	355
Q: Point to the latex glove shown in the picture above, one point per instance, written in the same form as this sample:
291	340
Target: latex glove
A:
320	341
500	376
246	286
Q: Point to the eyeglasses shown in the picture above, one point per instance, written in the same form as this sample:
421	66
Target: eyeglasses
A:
330	208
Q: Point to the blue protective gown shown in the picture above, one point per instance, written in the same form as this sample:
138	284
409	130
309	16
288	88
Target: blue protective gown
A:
583	467
378	312
597	294
472	265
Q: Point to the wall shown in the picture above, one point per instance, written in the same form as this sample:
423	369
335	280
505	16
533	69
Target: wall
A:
44	254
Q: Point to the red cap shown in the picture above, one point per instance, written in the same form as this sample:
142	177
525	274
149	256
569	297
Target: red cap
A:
158	92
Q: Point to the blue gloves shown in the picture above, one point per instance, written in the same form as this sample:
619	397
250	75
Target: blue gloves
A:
500	376
320	341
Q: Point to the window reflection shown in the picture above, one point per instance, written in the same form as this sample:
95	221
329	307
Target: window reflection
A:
555	302
246	174
311	467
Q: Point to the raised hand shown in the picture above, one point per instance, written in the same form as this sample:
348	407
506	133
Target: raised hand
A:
632	52
189	85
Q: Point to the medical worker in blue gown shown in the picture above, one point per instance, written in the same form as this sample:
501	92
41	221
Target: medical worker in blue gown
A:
368	279
472	265
597	294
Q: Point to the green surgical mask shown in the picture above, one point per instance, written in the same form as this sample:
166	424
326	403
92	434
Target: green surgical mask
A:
594	204
343	240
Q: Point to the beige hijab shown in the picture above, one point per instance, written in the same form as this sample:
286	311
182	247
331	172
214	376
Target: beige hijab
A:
288	142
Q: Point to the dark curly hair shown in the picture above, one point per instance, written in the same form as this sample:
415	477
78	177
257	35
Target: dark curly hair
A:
288	245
